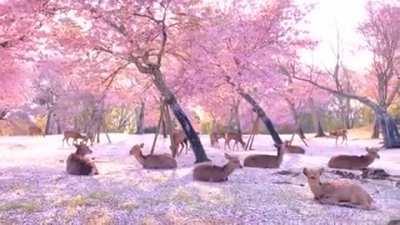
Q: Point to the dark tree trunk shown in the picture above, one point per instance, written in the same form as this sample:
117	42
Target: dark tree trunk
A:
391	136
301	133
320	130
191	134
375	129
140	119
264	118
180	115
48	122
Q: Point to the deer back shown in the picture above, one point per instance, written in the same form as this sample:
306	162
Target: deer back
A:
350	161
264	161
159	162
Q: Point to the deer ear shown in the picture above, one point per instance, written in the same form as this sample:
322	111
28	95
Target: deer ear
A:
227	156
305	171
141	145
76	146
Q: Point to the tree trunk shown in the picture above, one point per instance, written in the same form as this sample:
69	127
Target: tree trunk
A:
375	129
180	115
140	119
158	130
391	136
264	118
316	119
48	122
320	130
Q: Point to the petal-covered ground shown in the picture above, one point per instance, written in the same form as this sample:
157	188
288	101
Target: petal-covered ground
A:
34	188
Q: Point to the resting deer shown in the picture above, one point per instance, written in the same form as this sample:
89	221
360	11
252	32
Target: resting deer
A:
214	137
164	161
34	131
289	148
237	137
339	133
181	142
353	162
265	161
213	173
78	164
337	192
74	135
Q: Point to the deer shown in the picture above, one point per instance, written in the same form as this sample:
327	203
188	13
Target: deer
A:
339	133
353	162
89	137
181	142
35	131
341	192
214	137
162	161
237	137
74	135
289	148
79	164
265	161
214	173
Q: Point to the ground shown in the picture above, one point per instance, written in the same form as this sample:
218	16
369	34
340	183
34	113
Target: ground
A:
34	188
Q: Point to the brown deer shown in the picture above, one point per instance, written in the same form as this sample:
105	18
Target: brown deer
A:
213	173
89	137
339	133
163	161
35	131
353	162
74	135
181	142
237	137
79	164
214	137
340	192
289	148
265	161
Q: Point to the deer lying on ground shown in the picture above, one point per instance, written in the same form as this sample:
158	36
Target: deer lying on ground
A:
265	161
214	137
340	192
213	173
353	162
237	137
78	164
289	148
164	161
181	142
34	131
339	133
74	135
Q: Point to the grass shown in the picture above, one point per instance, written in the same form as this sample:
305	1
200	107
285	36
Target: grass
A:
27	206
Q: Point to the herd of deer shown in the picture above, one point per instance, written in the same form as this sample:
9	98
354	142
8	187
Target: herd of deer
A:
338	192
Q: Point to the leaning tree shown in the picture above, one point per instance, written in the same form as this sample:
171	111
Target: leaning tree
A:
381	31
135	33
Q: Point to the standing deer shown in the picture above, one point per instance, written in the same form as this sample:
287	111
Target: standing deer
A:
289	148
78	164
214	137
74	135
353	162
237	137
35	131
337	192
339	133
213	173
265	161
164	161
181	142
